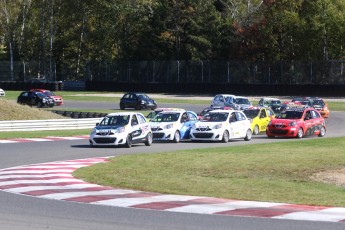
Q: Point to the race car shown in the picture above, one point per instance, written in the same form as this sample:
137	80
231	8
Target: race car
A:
259	117
153	113
222	125
172	125
124	128
271	102
320	105
57	99
297	122
210	108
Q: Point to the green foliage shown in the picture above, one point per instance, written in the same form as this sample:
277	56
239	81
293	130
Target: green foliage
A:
73	33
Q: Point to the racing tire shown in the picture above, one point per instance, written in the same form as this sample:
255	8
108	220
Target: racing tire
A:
149	139
248	136
177	137
39	105
256	130
225	137
299	133
322	131
122	106
128	141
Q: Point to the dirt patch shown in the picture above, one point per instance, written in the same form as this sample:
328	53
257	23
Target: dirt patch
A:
336	177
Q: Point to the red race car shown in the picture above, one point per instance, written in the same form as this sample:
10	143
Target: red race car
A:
57	99
297	122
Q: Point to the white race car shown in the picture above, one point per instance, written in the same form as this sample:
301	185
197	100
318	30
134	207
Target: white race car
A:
222	125
2	93
124	128
172	125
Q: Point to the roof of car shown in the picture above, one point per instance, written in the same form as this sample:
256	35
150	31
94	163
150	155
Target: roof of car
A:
122	113
270	98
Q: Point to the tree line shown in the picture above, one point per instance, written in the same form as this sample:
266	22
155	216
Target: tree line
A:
73	33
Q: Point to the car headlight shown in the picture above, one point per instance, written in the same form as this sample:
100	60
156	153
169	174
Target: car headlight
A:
119	130
44	100
170	126
142	102
217	126
292	123
93	131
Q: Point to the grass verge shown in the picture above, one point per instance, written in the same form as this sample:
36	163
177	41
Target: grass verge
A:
44	133
278	172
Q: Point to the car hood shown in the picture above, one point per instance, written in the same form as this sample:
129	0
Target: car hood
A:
206	124
107	127
161	124
284	121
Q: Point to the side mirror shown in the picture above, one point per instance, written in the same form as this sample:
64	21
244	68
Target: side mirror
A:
97	124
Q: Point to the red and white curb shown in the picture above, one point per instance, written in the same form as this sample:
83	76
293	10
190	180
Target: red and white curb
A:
54	180
25	140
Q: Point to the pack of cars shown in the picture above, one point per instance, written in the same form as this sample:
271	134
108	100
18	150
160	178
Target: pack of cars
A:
299	117
32	98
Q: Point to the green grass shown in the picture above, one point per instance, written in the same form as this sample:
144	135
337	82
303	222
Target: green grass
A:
44	133
278	172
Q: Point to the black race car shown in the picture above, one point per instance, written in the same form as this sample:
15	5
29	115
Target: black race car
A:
137	101
35	99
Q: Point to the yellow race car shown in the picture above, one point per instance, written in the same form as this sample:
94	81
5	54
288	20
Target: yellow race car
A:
259	117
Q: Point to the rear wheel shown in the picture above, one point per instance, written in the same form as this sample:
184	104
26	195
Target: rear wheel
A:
39	104
248	136
300	133
322	131
225	137
122	106
128	141
176	137
256	130
148	141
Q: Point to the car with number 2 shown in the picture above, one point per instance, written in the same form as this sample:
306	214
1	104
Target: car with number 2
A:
297	122
121	129
222	125
172	125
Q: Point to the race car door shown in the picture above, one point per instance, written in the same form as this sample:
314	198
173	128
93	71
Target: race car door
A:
235	126
137	127
187	120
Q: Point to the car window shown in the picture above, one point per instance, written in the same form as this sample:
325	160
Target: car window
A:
314	114
184	117
192	117
134	120
119	120
240	116
251	113
141	119
126	96
263	114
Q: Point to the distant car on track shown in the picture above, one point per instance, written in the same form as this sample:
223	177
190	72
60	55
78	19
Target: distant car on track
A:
35	99
210	108
222	125
320	105
222	100
297	122
124	128
153	113
273	103
137	101
57	99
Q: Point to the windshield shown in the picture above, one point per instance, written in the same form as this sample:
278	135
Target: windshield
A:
166	117
143	97
243	101
212	117
251	113
291	114
318	102
117	120
274	102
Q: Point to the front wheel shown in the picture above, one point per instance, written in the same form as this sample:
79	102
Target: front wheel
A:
256	130
39	105
300	133
128	141
148	141
322	131
177	137
248	136
122	106
225	138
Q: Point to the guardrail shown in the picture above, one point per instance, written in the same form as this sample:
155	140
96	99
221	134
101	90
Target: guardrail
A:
53	124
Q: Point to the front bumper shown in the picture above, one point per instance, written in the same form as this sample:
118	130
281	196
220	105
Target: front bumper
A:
107	140
213	135
282	132
166	135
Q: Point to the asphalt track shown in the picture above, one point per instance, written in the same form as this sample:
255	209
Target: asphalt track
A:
27	212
